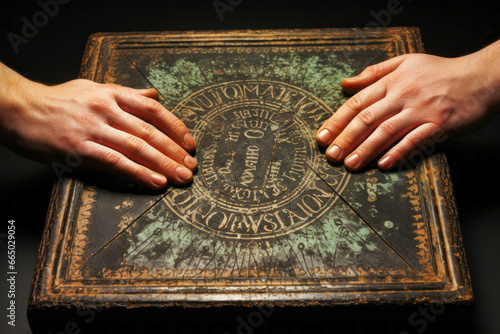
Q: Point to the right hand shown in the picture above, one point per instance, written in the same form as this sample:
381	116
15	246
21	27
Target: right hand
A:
406	103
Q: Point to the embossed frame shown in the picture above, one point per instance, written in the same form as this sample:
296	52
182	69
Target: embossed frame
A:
448	281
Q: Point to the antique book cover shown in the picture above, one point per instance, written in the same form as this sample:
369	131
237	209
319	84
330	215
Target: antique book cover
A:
267	219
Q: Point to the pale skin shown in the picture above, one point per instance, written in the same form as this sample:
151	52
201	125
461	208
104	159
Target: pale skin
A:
401	105
398	107
120	130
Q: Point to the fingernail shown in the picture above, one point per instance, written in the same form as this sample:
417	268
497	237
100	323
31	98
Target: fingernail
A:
334	152
159	180
183	173
189	141
324	136
190	162
384	162
353	160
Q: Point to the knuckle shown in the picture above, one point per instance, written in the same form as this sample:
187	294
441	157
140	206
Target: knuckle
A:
355	102
343	141
372	71
399	153
388	129
444	116
80	82
99	104
177	124
84	148
110	89
71	140
168	164
334	125
147	131
113	159
98	133
367	117
364	150
152	105
414	140
178	152
135	145
408	87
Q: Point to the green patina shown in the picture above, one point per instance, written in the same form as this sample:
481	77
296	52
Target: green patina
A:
340	238
175	80
319	74
310	246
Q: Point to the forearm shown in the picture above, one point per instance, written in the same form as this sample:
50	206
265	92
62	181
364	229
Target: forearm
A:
489	57
484	65
16	96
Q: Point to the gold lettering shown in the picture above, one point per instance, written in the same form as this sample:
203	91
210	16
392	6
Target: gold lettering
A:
255	224
322	195
216	217
194	107
233	136
287	96
246	89
231	92
253	134
271	225
208	103
269	90
294	218
311	203
278	218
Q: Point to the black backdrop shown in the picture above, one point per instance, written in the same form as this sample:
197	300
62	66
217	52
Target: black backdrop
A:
51	53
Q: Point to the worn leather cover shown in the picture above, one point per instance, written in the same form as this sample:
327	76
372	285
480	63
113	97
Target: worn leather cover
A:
267	220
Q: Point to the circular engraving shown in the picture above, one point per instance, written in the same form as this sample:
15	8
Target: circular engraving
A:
261	174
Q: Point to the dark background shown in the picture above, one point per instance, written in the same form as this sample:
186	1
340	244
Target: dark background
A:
449	28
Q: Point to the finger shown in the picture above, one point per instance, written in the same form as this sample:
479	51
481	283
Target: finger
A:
157	139
139	151
109	160
148	92
385	135
345	114
362	126
413	143
153	112
371	74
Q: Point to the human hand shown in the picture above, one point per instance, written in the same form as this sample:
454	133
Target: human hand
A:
409	102
120	130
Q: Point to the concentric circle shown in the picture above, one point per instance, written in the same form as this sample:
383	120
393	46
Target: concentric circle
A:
258	161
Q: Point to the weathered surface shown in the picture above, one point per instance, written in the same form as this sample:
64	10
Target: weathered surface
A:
267	220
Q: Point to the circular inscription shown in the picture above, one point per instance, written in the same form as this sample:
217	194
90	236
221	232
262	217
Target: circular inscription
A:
260	174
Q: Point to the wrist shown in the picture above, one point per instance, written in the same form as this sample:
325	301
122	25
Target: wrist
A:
485	66
490	57
18	97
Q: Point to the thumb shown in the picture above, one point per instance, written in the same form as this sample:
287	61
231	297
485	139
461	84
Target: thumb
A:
371	74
